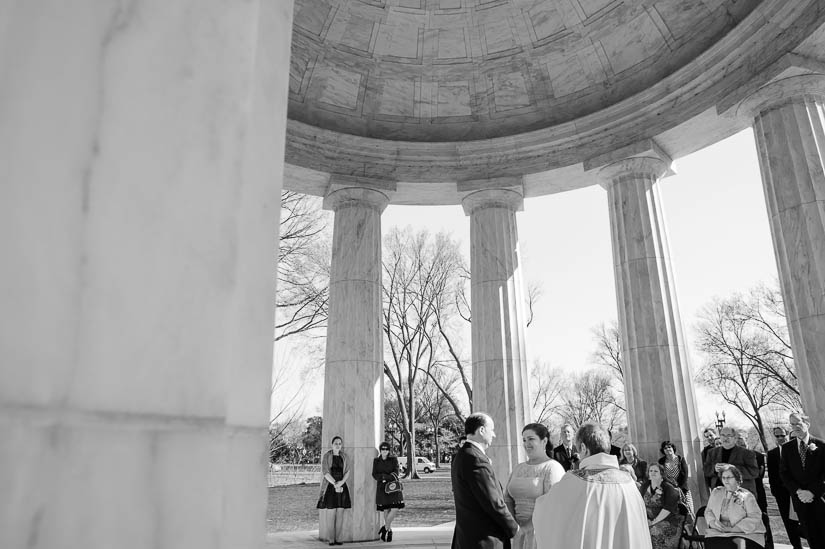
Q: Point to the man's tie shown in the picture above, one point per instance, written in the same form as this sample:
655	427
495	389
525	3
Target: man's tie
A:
802	452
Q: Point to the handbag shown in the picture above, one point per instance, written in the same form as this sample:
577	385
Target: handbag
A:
393	486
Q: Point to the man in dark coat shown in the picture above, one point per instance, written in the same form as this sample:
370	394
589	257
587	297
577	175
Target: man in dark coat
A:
482	520
729	452
802	470
565	453
780	493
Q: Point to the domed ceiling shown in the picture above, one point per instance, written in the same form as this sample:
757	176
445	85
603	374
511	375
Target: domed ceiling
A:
461	70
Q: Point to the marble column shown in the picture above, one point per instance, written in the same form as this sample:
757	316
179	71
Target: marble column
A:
789	123
141	147
498	304
657	375
353	380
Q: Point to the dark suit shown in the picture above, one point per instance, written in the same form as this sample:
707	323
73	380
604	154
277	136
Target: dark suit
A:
810	477
482	520
564	457
742	458
783	498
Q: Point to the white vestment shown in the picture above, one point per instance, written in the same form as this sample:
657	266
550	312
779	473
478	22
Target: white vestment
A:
597	506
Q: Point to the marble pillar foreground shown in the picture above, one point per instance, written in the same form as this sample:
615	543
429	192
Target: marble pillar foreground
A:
789	124
142	155
353	378
498	304
657	375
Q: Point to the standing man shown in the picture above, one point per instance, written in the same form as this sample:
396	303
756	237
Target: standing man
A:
482	520
711	442
597	506
564	453
780	493
729	452
802	470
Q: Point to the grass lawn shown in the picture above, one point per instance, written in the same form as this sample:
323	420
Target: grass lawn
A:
429	502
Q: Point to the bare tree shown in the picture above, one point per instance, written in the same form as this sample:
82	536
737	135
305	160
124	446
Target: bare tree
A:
547	387
417	270
591	397
434	405
303	266
609	348
747	359
287	404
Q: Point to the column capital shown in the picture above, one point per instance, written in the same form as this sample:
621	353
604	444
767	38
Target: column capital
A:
511	198
653	167
780	92
341	196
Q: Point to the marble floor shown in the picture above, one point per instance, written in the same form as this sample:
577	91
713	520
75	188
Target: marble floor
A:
433	537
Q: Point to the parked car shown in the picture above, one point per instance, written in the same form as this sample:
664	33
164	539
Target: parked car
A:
422	464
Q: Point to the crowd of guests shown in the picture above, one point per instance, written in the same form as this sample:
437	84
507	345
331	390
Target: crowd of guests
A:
587	493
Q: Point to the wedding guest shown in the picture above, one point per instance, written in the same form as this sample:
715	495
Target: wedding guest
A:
385	469
733	517
662	503
630	456
335	468
676	472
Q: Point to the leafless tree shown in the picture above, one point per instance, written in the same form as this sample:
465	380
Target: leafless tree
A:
591	397
303	266
286	409
547	388
417	270
434	404
609	348
748	362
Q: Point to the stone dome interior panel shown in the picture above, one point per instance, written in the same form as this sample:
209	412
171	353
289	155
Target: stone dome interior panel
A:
454	70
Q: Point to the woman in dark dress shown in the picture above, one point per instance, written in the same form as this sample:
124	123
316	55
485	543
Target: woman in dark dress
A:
385	469
630	456
334	498
662	504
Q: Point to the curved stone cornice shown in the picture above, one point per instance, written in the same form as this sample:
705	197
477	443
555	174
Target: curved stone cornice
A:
780	92
493	198
773	28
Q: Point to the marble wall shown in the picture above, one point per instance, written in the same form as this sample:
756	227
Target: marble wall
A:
142	153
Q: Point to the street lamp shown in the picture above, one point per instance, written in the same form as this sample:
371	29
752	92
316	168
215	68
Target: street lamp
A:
720	421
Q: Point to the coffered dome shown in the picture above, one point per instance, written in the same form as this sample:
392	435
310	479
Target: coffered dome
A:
460	70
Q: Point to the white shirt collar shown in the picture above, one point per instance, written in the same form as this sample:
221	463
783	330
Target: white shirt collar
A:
477	445
599	461
806	439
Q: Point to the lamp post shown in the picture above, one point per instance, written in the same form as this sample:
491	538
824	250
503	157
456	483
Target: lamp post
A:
720	421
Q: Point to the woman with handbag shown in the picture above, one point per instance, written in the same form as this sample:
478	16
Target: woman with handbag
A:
335	466
389	497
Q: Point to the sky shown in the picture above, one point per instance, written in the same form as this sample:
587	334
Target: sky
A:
720	243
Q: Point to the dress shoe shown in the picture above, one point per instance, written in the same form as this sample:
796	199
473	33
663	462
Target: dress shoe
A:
389	535
383	533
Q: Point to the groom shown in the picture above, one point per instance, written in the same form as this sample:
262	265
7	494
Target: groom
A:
482	520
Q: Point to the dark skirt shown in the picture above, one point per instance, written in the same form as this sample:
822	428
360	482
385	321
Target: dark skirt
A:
384	500
334	500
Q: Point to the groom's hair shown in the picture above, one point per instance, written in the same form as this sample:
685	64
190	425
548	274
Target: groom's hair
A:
594	437
473	422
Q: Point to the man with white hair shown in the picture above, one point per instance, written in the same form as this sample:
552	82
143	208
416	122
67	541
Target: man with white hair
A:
802	470
730	453
596	506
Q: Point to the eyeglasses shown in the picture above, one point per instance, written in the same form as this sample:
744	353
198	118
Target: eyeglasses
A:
728	477
780	436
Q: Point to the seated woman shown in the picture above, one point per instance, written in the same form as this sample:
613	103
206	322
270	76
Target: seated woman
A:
662	503
732	514
630	456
